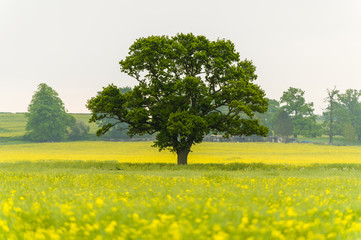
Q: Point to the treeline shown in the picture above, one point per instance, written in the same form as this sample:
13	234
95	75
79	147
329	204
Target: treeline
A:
48	120
291	115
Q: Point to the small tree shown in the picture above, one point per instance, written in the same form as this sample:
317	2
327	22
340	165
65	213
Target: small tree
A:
184	81
47	118
283	124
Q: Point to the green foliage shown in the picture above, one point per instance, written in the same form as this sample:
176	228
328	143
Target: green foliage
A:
351	109
307	127
295	103
183	82
268	118
47	118
117	131
349	132
78	130
343	114
329	125
283	124
304	121
125	89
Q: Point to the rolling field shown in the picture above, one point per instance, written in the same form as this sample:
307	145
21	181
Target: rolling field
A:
12	126
115	190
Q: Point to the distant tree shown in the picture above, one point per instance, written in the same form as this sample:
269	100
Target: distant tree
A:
349	132
351	106
329	114
301	113
307	127
267	119
118	130
283	124
47	118
78	130
125	89
183	82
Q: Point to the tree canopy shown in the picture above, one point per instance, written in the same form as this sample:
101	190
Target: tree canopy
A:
301	113
47	118
349	112
283	124
183	82
268	118
118	130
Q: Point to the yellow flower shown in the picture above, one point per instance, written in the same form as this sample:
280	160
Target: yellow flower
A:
99	202
111	227
221	236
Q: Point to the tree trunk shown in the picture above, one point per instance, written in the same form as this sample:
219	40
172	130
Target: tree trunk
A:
331	124
182	156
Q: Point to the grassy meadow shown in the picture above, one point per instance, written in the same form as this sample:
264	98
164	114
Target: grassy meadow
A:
129	190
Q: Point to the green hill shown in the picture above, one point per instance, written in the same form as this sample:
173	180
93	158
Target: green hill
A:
12	125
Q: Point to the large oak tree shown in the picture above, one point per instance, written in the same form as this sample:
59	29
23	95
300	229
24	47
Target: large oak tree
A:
188	86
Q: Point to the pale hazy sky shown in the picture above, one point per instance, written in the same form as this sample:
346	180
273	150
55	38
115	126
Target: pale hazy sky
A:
75	45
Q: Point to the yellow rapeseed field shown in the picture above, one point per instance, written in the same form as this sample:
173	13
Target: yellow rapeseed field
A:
86	190
142	152
70	203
